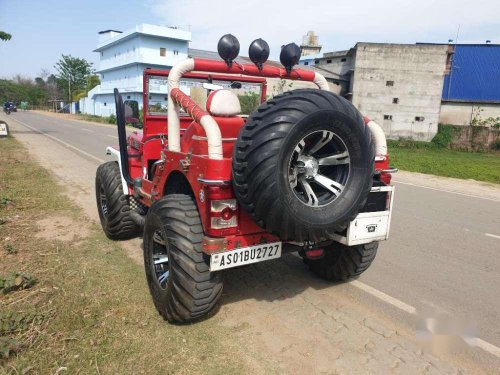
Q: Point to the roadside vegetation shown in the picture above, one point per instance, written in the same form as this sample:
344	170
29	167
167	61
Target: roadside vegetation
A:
72	302
437	158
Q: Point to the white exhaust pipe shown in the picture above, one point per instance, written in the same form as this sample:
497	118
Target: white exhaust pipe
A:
378	137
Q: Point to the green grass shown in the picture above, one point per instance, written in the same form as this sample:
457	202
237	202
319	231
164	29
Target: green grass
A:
90	310
424	158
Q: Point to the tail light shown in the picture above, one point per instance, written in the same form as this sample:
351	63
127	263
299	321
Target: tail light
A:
385	177
382	167
222	212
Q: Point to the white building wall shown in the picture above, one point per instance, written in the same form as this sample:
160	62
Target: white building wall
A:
417	73
123	58
458	113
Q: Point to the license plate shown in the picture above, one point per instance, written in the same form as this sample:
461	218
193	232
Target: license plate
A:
245	255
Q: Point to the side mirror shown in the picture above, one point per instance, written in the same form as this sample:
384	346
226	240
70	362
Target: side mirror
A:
236	85
128	111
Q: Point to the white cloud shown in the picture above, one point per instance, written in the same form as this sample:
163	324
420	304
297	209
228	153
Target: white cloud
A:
338	24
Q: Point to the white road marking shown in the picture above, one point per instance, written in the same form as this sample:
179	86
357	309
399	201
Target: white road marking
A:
87	130
492	235
61	142
447	191
384	297
112	136
486	346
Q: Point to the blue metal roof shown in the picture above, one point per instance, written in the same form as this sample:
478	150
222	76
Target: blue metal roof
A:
475	74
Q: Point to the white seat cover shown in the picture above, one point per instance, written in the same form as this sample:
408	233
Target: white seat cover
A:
223	103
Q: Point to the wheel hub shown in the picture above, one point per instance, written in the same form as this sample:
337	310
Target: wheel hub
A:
310	166
319	168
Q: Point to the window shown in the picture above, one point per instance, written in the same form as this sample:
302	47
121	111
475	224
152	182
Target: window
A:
316	61
105	104
389	83
343	59
395	100
176	52
128	96
102	53
328	61
306	63
419	118
388	117
163	51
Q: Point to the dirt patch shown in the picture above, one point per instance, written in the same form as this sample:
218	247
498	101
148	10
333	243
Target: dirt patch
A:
61	228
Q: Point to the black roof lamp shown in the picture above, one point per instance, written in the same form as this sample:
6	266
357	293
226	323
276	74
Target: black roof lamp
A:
290	56
228	48
258	52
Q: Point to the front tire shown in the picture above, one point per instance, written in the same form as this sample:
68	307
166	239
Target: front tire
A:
181	284
342	262
112	205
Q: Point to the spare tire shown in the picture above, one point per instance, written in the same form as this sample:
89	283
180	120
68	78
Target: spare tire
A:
303	165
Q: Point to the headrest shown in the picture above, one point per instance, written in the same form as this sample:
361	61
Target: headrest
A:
224	103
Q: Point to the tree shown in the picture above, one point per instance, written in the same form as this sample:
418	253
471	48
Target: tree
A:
72	74
5	36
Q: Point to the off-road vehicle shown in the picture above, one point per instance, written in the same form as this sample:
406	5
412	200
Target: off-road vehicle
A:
222	175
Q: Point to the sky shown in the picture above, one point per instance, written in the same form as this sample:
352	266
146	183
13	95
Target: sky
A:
42	30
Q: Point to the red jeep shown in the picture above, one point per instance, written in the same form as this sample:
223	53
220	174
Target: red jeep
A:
223	176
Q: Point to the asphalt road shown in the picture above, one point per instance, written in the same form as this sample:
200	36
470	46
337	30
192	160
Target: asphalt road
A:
443	254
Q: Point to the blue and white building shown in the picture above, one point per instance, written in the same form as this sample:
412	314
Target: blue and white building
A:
123	58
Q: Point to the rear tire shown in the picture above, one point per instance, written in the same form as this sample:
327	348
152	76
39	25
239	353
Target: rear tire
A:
342	262
112	205
177	271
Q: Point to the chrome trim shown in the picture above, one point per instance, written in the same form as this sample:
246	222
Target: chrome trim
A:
390	170
214	182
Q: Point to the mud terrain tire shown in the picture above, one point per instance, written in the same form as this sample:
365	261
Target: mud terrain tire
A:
173	231
112	204
342	262
296	129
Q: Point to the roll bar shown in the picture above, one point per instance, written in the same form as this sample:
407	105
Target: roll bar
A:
177	99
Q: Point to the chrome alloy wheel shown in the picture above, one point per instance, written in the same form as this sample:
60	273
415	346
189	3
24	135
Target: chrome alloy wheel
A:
318	169
160	259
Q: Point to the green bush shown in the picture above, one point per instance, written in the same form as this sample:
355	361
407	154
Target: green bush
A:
112	119
444	136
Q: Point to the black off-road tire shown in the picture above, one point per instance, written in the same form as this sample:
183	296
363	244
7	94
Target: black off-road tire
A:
112	205
261	164
342	262
191	291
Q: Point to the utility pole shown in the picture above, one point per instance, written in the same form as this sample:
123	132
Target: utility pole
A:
69	93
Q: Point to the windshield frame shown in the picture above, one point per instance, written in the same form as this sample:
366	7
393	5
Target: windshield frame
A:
202	77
